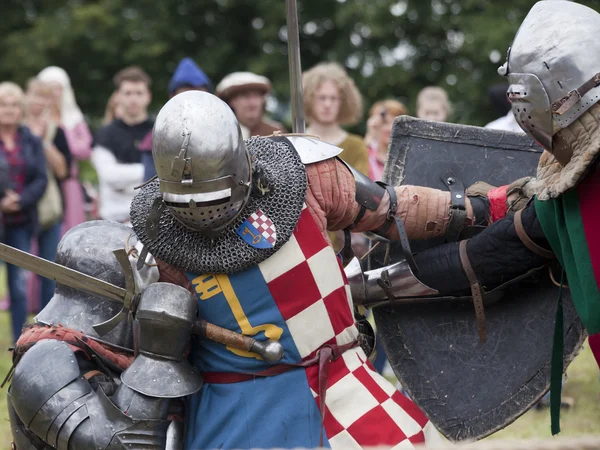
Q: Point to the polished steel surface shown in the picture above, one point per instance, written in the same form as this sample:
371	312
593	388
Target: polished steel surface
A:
201	161
61	274
401	283
554	53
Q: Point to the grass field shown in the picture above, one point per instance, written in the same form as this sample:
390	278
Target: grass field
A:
583	385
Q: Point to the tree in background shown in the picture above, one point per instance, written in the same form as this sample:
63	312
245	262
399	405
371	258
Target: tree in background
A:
392	48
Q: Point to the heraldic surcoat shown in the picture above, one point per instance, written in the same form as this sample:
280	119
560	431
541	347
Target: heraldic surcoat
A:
300	297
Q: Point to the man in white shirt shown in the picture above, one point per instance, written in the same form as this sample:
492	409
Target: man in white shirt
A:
116	154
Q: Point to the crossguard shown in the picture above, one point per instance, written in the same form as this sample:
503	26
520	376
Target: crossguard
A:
130	298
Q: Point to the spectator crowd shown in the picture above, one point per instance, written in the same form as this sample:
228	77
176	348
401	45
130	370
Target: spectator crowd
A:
44	137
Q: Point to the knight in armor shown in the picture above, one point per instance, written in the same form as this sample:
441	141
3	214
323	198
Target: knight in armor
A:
76	388
242	225
554	92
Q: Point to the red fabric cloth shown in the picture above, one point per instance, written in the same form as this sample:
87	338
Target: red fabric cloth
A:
375	165
590	217
497	198
35	333
594	341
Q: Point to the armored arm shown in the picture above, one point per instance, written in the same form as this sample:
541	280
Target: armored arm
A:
504	251
368	206
59	399
57	402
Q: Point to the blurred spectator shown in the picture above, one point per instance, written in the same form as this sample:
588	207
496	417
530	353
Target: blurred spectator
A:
113	110
116	154
379	130
24	153
332	99
245	93
506	123
4	185
433	104
499	101
187	77
58	157
66	113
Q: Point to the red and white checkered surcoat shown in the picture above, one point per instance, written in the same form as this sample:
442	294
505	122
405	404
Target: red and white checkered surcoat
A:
310	289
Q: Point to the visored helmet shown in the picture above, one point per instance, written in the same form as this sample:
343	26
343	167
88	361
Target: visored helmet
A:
201	161
553	68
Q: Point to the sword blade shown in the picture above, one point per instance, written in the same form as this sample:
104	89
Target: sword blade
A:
296	93
62	274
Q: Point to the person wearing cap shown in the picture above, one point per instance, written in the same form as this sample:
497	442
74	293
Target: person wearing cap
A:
188	76
245	93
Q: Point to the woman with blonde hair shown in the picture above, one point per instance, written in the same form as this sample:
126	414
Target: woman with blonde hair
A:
51	205
433	104
379	130
66	112
24	153
331	99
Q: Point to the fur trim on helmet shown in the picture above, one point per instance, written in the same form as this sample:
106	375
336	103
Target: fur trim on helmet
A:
582	137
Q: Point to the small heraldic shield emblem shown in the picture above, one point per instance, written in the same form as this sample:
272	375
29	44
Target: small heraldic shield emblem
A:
258	230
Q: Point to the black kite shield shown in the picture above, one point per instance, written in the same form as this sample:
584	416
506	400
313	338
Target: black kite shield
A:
470	390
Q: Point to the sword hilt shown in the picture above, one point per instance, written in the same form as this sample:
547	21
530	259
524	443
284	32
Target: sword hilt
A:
270	351
129	301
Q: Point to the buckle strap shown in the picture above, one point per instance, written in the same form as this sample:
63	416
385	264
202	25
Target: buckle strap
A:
527	241
392	218
476	290
458	208
565	103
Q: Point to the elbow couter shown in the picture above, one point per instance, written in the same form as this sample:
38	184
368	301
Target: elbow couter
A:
395	282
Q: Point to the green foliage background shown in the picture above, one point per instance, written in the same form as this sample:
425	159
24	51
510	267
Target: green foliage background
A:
392	48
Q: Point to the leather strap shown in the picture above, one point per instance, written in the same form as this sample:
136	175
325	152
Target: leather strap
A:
393	218
565	103
359	217
323	357
91	374
527	241
392	209
476	291
276	369
347	253
458	209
